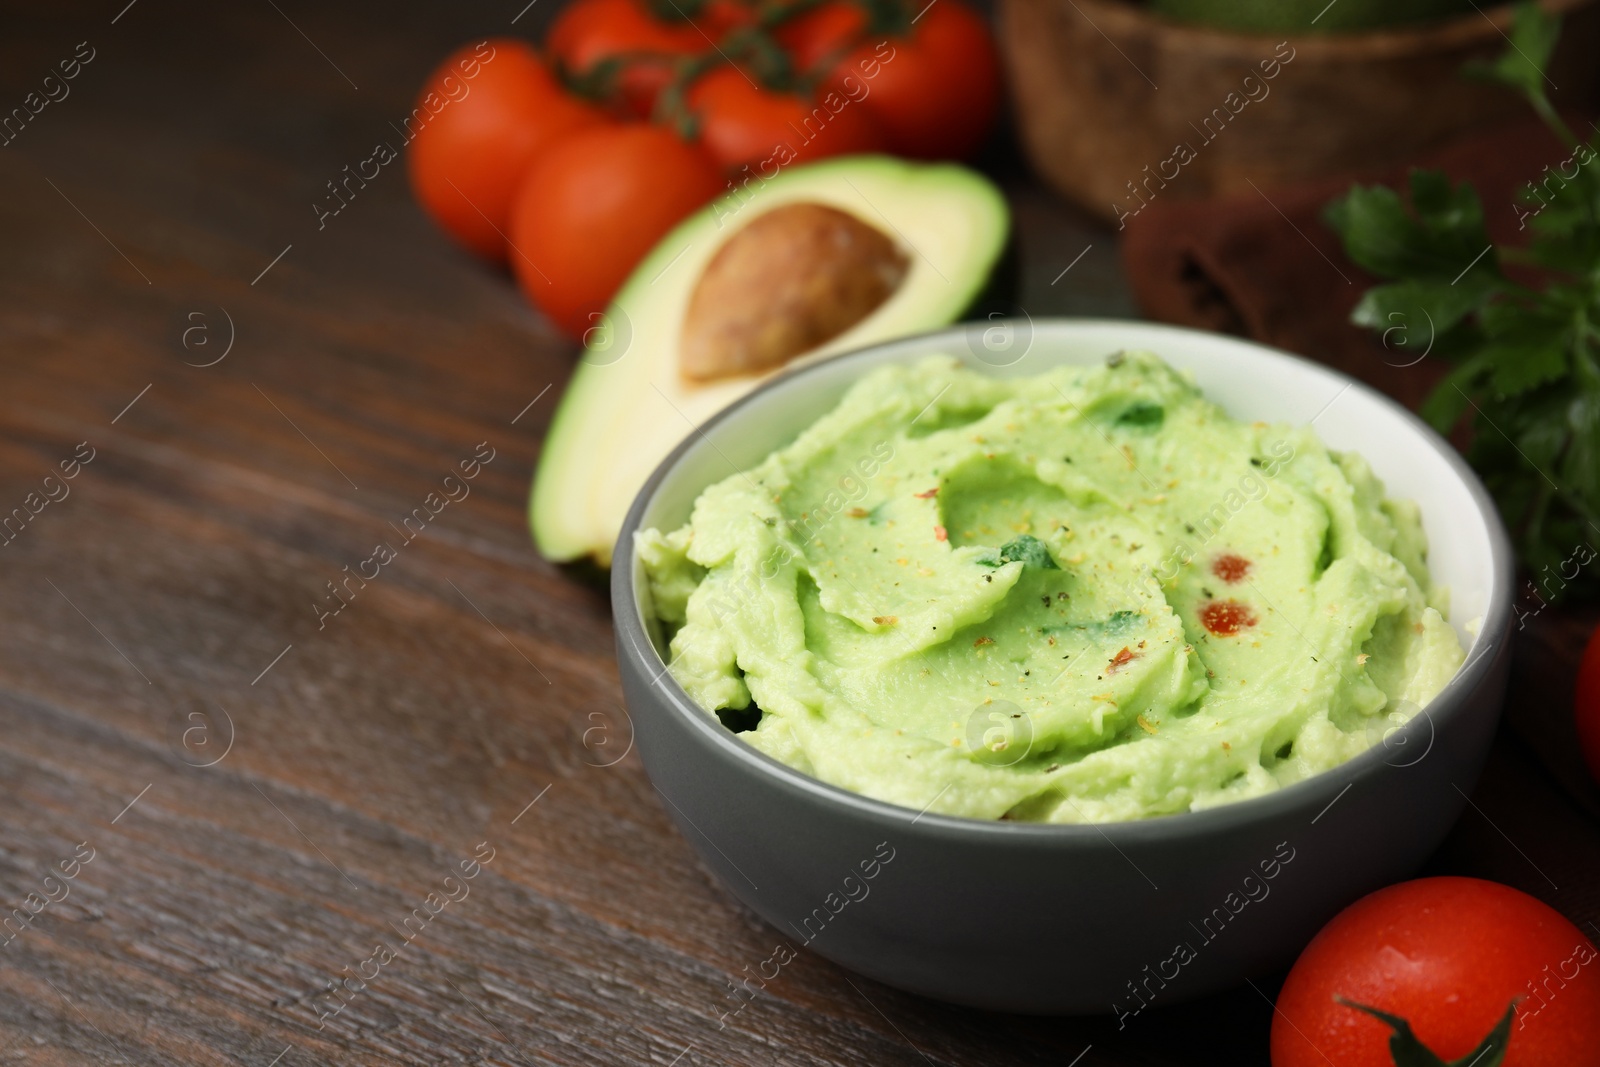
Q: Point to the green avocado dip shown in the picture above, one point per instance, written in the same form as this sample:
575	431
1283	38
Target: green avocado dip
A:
1085	596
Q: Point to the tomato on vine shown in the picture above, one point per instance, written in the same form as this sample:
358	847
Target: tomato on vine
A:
631	47
818	37
931	77
552	169
742	123
482	116
593	205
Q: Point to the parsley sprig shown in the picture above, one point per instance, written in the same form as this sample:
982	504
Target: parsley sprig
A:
1526	370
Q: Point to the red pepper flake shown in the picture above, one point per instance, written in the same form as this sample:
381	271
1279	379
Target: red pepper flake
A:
1226	617
929	495
1122	659
941	534
1230	567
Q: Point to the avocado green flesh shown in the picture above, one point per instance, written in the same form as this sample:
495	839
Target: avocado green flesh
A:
1118	603
628	406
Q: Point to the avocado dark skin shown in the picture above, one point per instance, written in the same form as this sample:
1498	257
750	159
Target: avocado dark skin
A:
585	571
999	294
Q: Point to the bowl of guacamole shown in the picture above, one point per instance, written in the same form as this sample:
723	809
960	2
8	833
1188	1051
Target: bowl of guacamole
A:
1144	646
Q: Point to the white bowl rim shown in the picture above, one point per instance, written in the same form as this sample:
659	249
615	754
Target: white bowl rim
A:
1484	654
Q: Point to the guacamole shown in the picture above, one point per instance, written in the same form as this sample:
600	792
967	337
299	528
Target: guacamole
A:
1085	596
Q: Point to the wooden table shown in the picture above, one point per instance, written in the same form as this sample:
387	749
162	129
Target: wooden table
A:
267	792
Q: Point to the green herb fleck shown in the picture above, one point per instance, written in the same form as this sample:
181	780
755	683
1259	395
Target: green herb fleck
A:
1030	552
1122	623
1143	415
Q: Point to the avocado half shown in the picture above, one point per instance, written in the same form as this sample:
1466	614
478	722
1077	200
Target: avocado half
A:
629	402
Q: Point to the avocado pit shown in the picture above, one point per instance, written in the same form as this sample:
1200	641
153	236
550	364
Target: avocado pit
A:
794	278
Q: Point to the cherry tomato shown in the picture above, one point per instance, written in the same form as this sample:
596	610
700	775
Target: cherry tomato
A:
483	114
1587	704
822	35
742	124
934	92
719	16
1449	955
593	205
589	31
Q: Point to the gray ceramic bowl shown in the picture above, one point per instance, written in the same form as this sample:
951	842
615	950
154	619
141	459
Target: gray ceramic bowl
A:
1076	919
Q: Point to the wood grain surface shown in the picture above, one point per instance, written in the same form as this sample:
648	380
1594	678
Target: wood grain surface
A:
269	793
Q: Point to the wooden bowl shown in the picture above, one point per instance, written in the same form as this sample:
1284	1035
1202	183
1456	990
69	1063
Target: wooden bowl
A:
1117	107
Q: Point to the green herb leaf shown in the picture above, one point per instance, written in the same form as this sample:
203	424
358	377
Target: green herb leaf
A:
1444	238
1450	398
1527	379
1523	347
1443	207
1029	551
1581	464
1567	238
1522	66
1418	310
